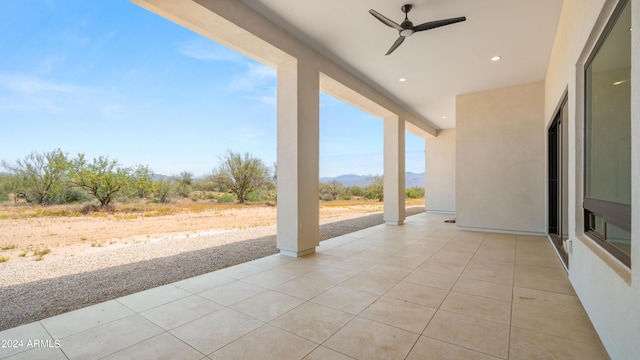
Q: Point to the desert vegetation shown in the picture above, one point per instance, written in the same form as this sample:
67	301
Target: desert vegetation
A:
54	178
50	201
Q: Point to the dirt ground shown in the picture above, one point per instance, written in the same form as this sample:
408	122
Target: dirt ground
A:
28	237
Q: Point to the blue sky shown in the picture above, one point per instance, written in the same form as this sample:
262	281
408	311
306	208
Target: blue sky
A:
106	77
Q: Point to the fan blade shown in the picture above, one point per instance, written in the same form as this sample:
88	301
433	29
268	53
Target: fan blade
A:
434	24
385	20
395	45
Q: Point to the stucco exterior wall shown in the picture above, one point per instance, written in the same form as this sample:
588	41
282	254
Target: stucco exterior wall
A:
609	291
440	172
500	158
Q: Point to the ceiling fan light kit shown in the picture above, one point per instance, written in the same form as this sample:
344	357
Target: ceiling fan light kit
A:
406	28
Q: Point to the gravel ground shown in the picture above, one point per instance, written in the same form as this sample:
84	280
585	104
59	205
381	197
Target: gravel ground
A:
35	291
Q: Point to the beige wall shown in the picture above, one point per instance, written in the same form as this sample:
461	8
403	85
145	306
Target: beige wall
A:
609	291
500	159
440	172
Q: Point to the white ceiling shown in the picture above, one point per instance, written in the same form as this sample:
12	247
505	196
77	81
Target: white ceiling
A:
439	63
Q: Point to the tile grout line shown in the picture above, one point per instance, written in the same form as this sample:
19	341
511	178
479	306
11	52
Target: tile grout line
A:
513	286
443	300
49	333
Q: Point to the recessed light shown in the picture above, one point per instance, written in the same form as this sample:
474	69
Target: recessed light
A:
496	58
402	79
444	117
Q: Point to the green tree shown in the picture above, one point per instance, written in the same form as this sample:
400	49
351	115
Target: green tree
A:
242	174
4	186
414	192
184	181
355	190
185	177
141	184
163	189
376	189
39	176
102	178
331	190
205	184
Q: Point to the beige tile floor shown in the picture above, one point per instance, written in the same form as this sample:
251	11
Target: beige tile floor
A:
420	291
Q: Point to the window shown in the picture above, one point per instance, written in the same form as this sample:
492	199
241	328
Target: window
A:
607	201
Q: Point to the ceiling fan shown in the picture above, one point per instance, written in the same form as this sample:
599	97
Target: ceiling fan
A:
407	29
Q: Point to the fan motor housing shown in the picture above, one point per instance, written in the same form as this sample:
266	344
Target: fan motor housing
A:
406	8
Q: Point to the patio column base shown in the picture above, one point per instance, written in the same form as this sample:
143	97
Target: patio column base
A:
396	223
297	254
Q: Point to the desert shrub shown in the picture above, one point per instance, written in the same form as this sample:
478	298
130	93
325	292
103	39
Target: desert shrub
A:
325	197
40	176
156	200
205	184
225	198
255	196
72	196
4	187
376	188
141	183
345	197
92	208
331	190
40	253
209	196
369	195
414	192
184	190
185	177
163	189
355	191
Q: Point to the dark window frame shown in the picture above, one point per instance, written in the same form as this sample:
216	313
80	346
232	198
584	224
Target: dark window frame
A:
616	214
557	179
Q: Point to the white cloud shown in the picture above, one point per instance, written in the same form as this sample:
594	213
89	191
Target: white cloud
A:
33	93
268	96
257	77
207	50
38	104
46	65
25	84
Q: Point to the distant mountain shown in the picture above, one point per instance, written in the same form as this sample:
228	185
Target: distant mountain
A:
411	180
158	177
349	180
414	180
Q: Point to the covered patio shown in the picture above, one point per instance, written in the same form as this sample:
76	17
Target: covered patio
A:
490	286
424	290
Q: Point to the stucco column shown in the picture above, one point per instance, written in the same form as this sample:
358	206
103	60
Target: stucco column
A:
394	172
298	158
